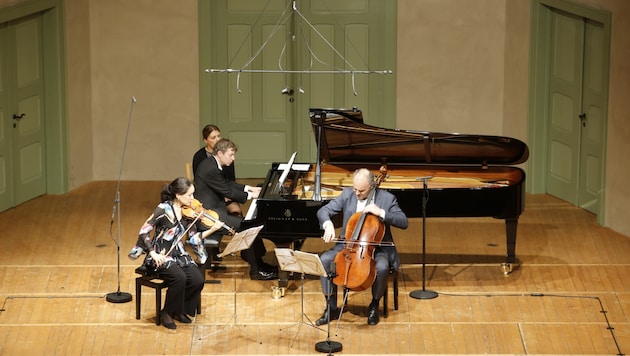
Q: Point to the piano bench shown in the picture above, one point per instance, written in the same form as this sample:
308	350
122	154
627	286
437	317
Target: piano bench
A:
151	280
211	243
393	274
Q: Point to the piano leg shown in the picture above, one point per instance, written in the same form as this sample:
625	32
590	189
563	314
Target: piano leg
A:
510	233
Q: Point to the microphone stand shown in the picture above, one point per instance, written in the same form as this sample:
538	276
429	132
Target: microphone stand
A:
318	168
118	296
424	293
328	345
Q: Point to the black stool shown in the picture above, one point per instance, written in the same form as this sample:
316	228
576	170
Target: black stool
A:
210	243
393	274
152	281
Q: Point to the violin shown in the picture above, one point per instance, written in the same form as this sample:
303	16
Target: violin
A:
355	264
207	217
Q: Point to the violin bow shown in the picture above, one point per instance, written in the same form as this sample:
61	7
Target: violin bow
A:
179	238
363	243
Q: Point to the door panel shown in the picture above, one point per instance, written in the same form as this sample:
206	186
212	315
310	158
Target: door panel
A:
565	104
594	99
6	160
22	140
257	117
28	133
267	122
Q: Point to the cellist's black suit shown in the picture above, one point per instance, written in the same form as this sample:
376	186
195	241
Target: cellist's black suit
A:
385	256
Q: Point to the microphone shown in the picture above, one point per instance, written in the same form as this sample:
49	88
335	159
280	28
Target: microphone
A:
133	98
113	214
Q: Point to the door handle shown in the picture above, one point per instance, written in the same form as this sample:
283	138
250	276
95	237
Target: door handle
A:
582	117
17	118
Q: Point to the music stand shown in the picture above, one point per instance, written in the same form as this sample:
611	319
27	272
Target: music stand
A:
304	263
240	241
424	293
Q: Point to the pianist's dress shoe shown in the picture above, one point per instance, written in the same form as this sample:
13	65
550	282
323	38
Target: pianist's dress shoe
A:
167	321
263	276
182	318
373	315
323	320
214	252
267	267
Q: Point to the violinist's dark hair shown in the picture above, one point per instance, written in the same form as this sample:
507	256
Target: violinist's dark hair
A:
223	145
178	186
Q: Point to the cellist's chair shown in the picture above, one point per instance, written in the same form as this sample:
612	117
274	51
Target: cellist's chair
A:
393	274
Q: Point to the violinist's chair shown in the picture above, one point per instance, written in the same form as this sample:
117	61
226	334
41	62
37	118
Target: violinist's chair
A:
393	275
151	280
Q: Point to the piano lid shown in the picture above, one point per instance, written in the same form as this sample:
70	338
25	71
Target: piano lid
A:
347	140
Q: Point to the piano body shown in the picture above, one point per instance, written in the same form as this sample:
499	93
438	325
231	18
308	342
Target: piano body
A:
470	176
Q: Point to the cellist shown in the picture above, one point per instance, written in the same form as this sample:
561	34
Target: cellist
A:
355	200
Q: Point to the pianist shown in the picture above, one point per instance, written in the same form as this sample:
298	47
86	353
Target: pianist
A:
354	199
214	190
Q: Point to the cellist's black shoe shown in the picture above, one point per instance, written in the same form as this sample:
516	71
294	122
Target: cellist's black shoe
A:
323	320
373	315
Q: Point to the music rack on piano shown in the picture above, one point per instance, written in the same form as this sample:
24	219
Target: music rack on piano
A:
472	176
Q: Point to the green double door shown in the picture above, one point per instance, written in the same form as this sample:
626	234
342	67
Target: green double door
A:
284	43
22	129
577	109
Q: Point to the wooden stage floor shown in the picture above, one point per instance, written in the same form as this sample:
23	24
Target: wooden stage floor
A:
569	294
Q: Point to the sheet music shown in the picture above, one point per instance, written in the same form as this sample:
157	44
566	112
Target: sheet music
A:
286	171
241	241
251	212
300	262
302	167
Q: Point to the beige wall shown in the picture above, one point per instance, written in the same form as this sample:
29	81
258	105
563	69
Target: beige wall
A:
451	65
79	76
147	49
462	67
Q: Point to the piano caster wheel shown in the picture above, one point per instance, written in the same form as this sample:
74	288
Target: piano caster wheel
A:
506	268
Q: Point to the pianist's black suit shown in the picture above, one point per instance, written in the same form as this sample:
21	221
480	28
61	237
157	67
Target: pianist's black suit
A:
211	186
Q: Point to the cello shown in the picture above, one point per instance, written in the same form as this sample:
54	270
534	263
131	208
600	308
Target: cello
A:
355	265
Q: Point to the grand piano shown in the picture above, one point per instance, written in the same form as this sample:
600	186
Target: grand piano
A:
464	175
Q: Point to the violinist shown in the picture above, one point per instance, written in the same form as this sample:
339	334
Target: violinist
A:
351	201
162	238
